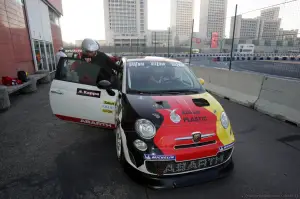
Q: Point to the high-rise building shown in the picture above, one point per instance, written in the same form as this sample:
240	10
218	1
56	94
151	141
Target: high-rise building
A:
245	28
212	17
269	29
125	22
181	18
269	23
270	13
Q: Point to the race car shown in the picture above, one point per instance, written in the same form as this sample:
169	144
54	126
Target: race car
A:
170	132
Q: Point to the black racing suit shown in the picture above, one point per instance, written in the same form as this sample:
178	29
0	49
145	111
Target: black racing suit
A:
108	69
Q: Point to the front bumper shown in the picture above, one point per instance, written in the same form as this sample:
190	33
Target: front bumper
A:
180	180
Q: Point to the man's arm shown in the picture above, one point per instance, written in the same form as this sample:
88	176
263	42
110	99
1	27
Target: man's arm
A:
112	64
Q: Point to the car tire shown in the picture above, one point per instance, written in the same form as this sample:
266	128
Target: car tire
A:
119	147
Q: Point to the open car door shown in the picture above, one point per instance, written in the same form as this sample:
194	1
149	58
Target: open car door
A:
75	97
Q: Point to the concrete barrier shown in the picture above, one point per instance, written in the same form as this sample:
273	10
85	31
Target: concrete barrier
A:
276	97
240	87
279	98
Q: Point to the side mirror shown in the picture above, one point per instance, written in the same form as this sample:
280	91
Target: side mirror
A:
201	81
104	84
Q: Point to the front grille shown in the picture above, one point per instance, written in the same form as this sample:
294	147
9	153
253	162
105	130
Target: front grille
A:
173	167
194	145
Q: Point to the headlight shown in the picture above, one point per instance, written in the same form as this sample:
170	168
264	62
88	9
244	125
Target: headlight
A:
140	145
224	120
145	128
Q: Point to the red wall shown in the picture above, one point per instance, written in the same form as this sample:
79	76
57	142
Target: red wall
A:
57	4
56	37
15	49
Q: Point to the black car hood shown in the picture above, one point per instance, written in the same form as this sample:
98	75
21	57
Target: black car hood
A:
143	106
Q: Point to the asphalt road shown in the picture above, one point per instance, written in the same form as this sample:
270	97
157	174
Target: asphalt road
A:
42	157
281	69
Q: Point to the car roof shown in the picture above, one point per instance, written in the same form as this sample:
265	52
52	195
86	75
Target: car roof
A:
153	58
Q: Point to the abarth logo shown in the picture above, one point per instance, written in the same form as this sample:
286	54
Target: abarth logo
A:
196	136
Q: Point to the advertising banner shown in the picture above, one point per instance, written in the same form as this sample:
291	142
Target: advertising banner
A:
214	40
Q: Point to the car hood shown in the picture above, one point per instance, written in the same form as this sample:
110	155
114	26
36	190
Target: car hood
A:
177	110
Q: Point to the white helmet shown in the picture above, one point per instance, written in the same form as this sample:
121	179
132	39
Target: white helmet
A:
89	45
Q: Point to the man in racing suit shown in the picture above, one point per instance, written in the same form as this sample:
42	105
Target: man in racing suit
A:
92	54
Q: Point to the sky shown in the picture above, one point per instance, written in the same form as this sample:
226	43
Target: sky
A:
86	20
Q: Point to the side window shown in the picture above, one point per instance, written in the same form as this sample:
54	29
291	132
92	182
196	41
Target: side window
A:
78	71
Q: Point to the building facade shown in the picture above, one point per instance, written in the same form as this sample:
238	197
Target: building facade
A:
245	28
29	35
160	38
212	18
288	34
126	22
181	19
270	13
269	23
269	29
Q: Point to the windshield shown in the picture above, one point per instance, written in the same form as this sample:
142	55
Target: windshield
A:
146	76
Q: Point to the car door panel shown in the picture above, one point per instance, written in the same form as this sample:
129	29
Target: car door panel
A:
73	101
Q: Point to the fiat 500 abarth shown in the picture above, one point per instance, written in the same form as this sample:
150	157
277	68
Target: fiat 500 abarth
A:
169	130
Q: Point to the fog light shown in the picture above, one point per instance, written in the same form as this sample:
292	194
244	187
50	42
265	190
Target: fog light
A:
140	145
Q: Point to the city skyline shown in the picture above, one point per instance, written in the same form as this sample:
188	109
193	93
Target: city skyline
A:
159	16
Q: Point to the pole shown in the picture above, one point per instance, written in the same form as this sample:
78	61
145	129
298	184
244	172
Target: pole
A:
137	47
154	43
191	42
169	43
115	48
233	37
130	46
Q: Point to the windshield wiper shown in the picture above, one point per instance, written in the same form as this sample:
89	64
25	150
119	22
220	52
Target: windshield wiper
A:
144	92
181	91
161	92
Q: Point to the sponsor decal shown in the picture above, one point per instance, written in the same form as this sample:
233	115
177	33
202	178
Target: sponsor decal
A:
156	115
195	119
177	64
89	93
109	102
108	107
174	117
85	121
136	64
190	112
96	123
107	111
157	63
159	157
225	147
